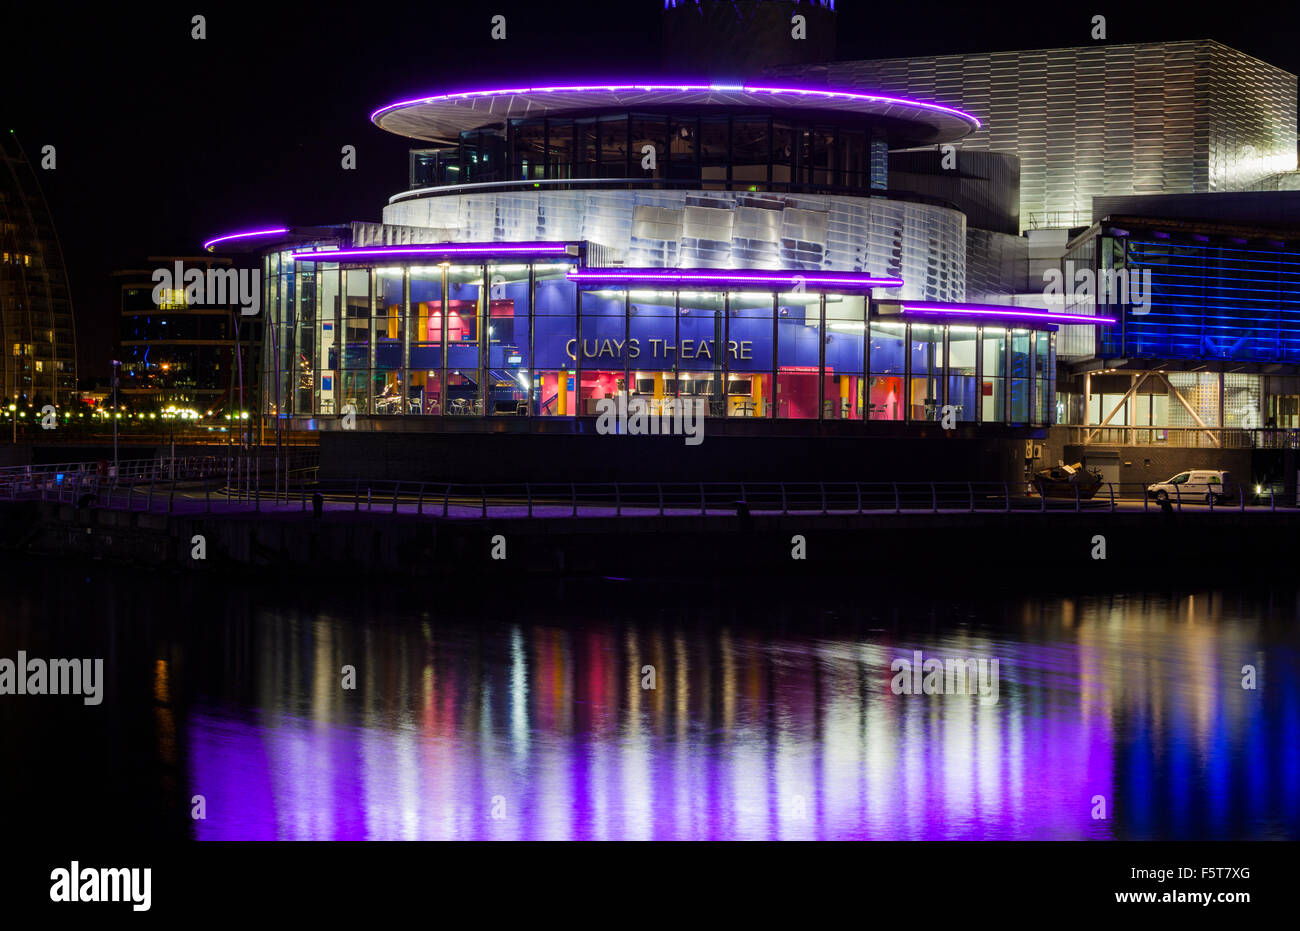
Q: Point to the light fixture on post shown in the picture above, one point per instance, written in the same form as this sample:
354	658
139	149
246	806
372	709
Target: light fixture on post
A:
116	368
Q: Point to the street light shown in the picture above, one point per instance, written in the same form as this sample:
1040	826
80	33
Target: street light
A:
116	365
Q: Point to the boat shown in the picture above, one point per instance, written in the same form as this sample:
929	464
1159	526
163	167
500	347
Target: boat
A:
1067	481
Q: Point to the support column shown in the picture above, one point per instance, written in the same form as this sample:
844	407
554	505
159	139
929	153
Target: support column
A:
1131	412
1087	405
1222	423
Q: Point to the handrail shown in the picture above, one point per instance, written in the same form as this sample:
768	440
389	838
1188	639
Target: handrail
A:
185	486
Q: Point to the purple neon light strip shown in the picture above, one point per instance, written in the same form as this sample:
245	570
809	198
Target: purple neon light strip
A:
487	248
653	276
999	310
245	235
684	88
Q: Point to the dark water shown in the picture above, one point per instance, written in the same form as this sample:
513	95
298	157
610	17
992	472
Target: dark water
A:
501	713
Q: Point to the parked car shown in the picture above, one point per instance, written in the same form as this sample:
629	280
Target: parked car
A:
1067	481
1194	485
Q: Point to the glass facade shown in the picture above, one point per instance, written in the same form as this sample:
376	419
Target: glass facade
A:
514	339
1215	300
743	151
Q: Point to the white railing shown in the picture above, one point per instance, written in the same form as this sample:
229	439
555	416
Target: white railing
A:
1185	437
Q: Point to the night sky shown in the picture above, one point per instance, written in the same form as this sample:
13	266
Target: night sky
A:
164	142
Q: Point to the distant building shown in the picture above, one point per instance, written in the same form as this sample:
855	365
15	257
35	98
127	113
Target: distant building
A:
173	353
39	349
1104	120
1206	350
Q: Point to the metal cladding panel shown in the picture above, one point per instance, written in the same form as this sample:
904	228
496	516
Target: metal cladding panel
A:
925	245
997	264
984	185
1167	117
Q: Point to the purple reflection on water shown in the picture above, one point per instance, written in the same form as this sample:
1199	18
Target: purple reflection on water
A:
546	732
593	756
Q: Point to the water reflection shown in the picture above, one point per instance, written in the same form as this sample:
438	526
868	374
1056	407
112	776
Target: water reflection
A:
544	730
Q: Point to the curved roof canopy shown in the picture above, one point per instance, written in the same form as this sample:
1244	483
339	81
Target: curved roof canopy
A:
442	117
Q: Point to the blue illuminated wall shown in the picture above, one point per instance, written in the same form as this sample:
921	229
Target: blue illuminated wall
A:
1212	300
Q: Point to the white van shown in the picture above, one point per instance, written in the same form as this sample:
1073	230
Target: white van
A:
1194	486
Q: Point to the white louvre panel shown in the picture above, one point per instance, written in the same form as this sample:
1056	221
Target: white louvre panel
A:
924	245
383	234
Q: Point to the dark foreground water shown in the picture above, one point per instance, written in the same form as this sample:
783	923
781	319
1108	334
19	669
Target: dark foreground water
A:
498	713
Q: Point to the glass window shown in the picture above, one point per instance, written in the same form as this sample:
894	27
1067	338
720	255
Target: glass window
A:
885	401
559	149
528	161
603	347
783	153
993	386
468	158
587	154
963	389
879	168
651	338
1021	348
464	311
927	371
749	355
509	362
714	142
491	164
613	147
701	349
749	152
852	158
1043	378
798	355
1045	372
327	339
303	366
356	341
820	148
554	340
684	148
285	331
648	131
845	388
389	314
424	391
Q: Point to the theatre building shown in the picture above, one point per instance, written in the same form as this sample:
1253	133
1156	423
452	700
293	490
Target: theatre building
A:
732	245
